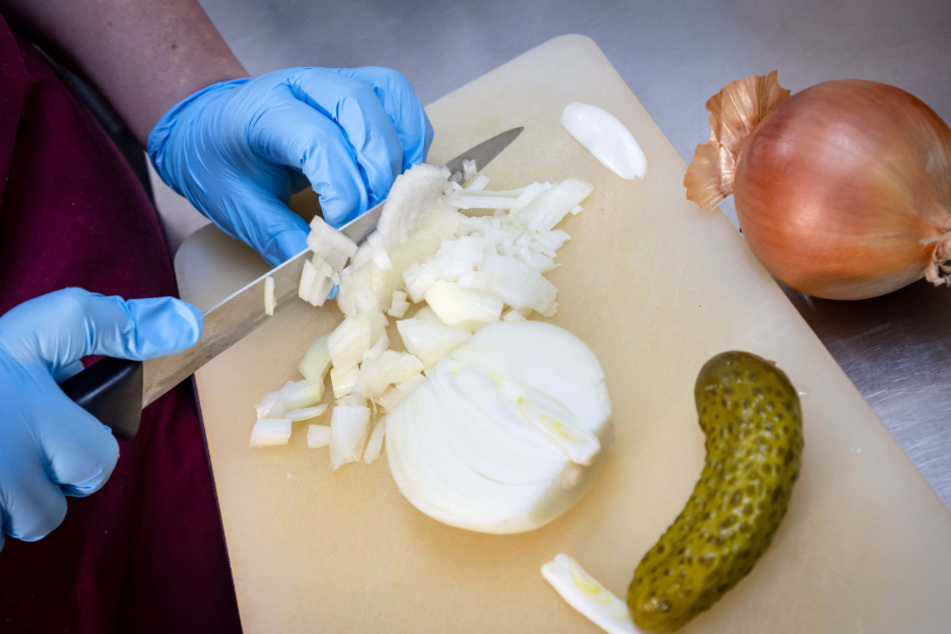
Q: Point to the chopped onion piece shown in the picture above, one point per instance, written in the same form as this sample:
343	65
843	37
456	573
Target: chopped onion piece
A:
535	259
307	277
461	201
269	432
398	393
318	436
531	192
458	306
478	281
457	257
343	382
316	361
390	367
478	183
399	366
349	341
306	413
520	286
272	405
409	384
300	394
391	398
348	431
585	594
377	248
269	296
418	278
548	242
375	444
430	339
353	399
508	193
353	298
332	245
376	350
411	199
399	305
363	255
469	169
315	282
513	315
378	324
550	206
363	290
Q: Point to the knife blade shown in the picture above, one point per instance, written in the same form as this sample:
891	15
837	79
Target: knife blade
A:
116	390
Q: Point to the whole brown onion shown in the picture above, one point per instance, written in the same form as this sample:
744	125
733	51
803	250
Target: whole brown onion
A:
843	190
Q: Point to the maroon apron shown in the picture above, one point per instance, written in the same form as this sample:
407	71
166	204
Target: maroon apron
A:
146	553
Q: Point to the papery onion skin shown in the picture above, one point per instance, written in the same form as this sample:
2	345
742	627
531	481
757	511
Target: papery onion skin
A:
844	190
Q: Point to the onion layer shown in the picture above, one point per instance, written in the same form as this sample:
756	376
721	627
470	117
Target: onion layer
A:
843	190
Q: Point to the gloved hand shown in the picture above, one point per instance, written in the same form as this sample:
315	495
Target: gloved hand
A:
49	446
237	150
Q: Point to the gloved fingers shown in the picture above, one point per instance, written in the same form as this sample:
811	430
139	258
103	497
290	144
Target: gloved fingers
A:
32	505
300	137
64	326
267	224
67	371
353	105
401	104
80	451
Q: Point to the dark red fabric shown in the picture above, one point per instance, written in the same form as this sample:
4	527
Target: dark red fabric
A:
146	553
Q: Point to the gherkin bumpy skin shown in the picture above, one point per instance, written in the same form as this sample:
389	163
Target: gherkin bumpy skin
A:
750	414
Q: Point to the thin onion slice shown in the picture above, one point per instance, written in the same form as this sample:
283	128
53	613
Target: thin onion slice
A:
585	594
269	303
548	208
608	140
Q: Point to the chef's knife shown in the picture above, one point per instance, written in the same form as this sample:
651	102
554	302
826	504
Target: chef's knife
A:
116	390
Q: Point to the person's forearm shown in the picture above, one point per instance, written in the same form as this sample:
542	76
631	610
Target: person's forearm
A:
143	55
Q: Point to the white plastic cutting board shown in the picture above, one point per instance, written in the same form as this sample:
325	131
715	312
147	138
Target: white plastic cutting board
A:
655	287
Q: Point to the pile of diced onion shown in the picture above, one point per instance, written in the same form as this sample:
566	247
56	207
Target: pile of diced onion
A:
439	274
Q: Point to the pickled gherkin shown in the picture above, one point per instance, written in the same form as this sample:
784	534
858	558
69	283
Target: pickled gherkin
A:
751	417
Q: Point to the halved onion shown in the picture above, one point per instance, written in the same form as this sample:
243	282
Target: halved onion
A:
473	446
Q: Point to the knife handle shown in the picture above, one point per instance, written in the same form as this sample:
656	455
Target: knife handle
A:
111	390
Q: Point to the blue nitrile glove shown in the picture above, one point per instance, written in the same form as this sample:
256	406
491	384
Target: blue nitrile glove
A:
237	150
49	446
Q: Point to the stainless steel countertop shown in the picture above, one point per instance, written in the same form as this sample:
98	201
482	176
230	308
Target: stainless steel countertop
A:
675	55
